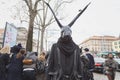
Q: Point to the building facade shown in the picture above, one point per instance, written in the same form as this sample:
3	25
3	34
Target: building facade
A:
99	43
22	36
116	45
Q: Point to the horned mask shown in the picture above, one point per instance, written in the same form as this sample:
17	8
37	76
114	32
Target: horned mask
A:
65	30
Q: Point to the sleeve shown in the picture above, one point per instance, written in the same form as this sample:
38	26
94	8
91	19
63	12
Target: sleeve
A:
93	62
51	59
106	65
80	63
50	62
114	65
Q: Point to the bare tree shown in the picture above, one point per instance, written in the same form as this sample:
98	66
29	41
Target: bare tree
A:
19	12
33	10
44	19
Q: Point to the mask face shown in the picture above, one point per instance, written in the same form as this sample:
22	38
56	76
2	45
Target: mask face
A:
66	31
66	39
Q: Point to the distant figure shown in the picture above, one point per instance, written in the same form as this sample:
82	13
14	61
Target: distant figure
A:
91	63
15	68
110	67
4	58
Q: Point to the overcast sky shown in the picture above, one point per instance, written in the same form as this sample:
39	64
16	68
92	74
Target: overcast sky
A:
102	17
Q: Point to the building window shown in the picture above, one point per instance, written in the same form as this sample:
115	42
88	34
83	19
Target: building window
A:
115	43
116	47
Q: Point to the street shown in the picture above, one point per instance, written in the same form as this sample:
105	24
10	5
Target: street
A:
99	76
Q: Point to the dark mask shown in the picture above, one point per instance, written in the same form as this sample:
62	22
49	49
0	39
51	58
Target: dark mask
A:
66	39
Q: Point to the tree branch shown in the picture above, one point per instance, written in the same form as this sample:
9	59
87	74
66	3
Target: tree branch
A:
31	5
36	4
39	9
24	21
52	21
40	18
27	3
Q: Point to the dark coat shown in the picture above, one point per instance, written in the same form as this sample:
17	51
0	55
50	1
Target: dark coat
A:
15	68
91	61
66	59
4	58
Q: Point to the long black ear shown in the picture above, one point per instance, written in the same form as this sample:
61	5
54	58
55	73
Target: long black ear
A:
81	11
59	24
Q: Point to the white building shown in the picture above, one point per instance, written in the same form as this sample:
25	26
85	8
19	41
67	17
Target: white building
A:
99	43
116	45
22	36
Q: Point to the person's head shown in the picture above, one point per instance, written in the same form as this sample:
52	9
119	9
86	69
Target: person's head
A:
110	55
19	45
66	31
43	53
41	56
15	49
5	49
86	50
22	51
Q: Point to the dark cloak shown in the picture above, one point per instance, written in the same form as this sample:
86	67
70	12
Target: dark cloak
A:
67	48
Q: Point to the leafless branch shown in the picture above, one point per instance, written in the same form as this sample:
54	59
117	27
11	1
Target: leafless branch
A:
27	3
49	23
37	22
39	9
36	4
40	18
52	21
24	21
37	28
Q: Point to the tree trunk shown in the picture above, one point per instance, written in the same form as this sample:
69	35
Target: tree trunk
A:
42	39
38	40
30	32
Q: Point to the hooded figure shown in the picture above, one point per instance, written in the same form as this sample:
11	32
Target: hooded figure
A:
64	60
67	55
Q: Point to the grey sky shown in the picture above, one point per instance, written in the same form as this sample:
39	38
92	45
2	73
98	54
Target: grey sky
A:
101	18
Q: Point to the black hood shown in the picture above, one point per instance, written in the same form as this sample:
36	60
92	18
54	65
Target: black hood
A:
66	45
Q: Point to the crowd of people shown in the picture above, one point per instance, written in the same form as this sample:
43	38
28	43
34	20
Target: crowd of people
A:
18	64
